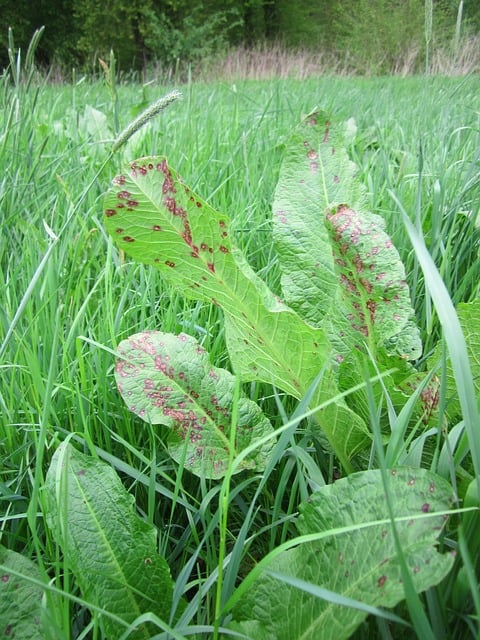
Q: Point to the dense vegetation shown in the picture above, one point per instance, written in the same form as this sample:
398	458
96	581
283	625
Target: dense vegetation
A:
93	495
366	35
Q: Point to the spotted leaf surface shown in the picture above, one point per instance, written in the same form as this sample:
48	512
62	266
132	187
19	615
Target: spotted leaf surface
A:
155	218
373	290
167	379
110	550
361	563
315	173
20	599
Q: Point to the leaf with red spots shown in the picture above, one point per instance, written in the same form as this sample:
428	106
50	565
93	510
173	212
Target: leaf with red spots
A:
155	218
20	599
355	556
172	229
111	551
373	295
340	269
315	173
167	379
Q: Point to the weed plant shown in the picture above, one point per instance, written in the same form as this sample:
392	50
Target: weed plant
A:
68	298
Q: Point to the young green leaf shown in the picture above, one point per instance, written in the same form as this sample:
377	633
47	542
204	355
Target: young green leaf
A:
167	379
315	174
20	599
400	383
360	563
109	549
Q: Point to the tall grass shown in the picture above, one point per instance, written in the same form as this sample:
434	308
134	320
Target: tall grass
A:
68	298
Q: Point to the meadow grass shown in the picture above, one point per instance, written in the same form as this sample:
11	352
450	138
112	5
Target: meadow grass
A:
68	297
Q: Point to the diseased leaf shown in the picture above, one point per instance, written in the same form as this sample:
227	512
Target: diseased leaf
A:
361	563
167	379
110	550
315	174
159	221
373	289
20	599
340	269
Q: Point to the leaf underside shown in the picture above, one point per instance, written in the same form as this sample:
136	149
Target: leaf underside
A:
315	173
167	379
361	563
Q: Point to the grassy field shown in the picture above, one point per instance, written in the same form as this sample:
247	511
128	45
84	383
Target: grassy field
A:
68	298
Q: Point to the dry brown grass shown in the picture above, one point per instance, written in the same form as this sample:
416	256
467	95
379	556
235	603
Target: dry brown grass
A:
276	61
465	60
271	61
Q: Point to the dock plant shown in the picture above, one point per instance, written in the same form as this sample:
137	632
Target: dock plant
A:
334	336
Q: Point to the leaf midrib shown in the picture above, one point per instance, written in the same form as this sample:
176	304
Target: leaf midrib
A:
103	538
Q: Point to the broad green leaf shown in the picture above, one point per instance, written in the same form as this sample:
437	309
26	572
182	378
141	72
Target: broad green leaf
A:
373	290
361	563
20	599
469	317
167	379
110	550
159	221
315	174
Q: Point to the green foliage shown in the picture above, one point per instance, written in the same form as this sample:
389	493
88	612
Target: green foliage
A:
188	38
347	546
394	31
69	297
116	29
110	550
373	36
20	597
339	270
301	24
167	379
468	315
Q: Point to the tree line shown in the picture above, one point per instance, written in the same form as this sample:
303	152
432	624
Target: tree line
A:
170	32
